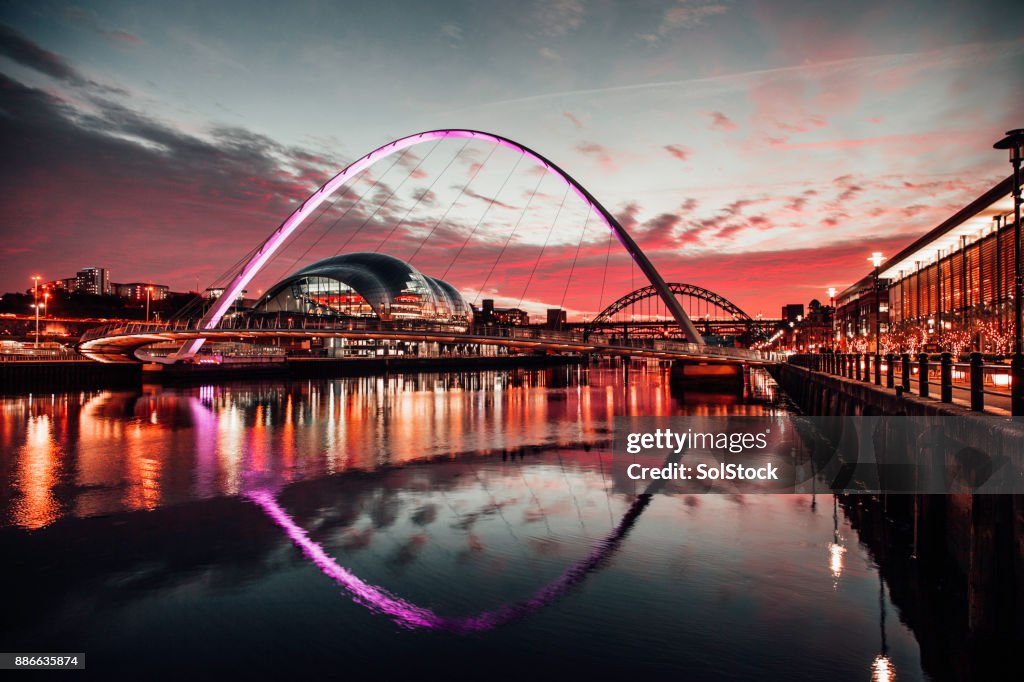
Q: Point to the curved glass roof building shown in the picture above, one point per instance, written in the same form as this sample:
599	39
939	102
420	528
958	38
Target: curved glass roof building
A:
366	285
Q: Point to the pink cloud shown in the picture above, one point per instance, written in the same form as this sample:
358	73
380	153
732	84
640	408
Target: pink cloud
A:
720	121
678	151
598	152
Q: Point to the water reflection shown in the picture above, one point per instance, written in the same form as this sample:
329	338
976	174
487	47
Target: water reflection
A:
481	508
89	454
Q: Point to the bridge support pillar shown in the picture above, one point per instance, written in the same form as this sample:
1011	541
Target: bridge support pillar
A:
710	376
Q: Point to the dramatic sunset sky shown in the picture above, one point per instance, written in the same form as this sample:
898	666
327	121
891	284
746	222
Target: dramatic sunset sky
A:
759	149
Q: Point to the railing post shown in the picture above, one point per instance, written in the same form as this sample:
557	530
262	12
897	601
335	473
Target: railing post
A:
877	359
905	372
890	370
848	365
977	382
1017	382
858	370
922	375
946	378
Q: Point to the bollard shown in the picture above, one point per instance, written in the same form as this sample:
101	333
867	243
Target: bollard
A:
878	369
946	378
905	372
890	370
922	375
977	383
858	371
1017	384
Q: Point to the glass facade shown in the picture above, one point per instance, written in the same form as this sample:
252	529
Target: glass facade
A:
366	285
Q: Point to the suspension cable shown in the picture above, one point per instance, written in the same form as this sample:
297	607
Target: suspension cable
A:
383	203
454	201
483	215
572	269
423	195
515	227
536	263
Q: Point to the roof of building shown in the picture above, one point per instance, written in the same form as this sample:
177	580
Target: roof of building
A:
973	220
379	279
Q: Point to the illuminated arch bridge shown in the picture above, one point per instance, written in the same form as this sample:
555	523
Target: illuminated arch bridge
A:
391	292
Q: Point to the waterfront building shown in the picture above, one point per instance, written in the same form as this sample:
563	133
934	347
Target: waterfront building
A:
366	285
949	290
516	317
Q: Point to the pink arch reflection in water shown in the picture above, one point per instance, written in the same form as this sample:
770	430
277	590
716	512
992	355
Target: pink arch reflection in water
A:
410	615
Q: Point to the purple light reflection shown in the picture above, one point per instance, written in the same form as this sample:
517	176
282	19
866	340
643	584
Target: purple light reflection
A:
410	615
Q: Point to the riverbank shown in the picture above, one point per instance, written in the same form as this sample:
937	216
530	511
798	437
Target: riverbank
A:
18	378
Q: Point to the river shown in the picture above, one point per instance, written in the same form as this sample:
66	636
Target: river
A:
436	524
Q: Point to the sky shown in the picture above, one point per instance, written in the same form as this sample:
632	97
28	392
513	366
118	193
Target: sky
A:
761	150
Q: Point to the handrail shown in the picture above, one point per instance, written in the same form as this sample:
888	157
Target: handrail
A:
295	323
978	377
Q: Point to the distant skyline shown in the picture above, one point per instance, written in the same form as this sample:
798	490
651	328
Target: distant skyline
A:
759	149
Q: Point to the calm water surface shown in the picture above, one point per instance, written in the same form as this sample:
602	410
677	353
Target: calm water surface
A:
451	525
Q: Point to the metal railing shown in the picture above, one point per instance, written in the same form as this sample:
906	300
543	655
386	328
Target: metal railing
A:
41	355
460	332
924	375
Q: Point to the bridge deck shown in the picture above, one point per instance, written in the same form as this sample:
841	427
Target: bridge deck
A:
119	343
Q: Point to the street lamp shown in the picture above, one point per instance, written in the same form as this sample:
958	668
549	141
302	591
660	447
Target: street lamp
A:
1014	142
149	294
832	302
35	303
876	260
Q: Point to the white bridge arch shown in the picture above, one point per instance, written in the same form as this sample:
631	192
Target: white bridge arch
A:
272	243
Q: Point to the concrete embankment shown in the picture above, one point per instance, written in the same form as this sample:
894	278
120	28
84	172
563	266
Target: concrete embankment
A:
956	559
29	376
62	375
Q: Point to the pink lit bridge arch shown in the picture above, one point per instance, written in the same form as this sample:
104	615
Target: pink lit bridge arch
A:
272	243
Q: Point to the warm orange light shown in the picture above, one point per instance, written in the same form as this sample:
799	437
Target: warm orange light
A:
882	670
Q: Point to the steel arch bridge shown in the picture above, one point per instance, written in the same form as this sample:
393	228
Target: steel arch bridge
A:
677	289
262	255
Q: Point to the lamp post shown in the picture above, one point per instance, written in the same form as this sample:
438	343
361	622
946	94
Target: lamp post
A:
149	294
35	303
1014	142
876	260
832	301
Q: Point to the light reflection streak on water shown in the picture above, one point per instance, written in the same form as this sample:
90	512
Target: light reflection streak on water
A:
127	450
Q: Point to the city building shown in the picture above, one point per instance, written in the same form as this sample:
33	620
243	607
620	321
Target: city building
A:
950	290
67	284
811	333
93	281
213	293
136	291
556	318
792	312
503	316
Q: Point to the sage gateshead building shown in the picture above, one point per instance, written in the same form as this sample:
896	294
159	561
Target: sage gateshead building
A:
366	285
951	289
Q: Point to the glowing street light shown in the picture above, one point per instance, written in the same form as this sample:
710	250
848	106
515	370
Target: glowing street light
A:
832	302
35	303
1014	142
876	259
149	294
